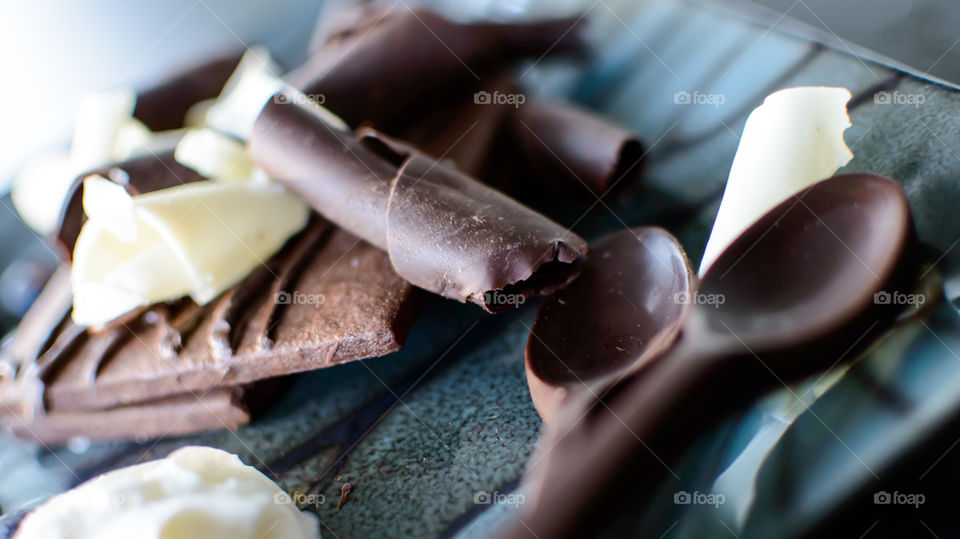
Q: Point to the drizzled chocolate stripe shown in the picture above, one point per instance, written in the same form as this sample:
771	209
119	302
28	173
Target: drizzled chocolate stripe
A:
259	313
69	338
97	360
185	320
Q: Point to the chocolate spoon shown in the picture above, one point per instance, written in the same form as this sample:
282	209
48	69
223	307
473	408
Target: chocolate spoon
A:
625	307
793	295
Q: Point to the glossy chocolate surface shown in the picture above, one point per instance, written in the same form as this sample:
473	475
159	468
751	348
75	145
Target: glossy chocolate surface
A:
626	303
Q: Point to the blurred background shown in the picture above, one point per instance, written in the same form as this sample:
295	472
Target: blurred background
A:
52	51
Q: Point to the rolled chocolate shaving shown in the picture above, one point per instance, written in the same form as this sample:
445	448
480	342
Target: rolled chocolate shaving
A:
165	106
392	63
444	231
562	141
138	175
531	149
473	136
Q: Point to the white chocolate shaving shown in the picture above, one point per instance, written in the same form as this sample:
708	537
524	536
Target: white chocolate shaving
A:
105	132
217	156
41	186
791	141
135	139
246	91
99	118
194	493
195	239
250	86
197	113
39	190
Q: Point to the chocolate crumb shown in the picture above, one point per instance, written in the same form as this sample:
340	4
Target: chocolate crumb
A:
344	495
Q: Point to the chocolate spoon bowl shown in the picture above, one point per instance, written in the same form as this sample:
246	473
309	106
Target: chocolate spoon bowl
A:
625	307
793	295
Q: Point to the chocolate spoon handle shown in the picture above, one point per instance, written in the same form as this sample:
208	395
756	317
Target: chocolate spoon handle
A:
634	428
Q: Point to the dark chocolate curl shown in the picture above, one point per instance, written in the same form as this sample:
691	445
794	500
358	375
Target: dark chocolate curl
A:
562	141
400	59
332	170
474	136
532	148
165	106
444	231
138	175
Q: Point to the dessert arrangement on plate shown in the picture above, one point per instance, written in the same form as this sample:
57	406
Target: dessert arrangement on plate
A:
237	224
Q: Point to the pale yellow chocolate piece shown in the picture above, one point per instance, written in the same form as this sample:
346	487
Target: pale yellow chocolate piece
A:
218	157
194	493
196	239
251	85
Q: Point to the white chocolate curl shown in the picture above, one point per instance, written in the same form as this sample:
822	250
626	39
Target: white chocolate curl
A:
250	86
42	184
196	239
217	157
194	493
104	132
791	141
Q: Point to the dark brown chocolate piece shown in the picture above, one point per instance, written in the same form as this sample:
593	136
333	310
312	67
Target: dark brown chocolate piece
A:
444	231
532	149
40	324
561	141
475	137
326	298
791	294
218	408
138	175
165	106
389	65
623	310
